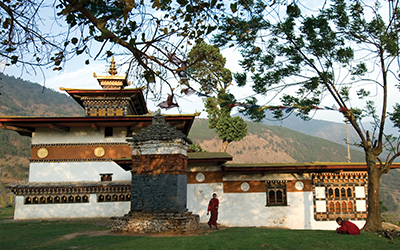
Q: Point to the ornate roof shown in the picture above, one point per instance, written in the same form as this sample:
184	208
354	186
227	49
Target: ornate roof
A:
27	125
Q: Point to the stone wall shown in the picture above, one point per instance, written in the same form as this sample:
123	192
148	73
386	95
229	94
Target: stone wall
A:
138	222
159	193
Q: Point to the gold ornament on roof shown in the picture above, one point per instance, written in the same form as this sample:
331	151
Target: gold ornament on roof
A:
112	81
113	70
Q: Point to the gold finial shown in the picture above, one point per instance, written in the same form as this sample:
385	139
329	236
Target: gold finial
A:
113	70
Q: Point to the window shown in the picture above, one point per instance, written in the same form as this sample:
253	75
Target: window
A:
349	192
343	192
108	132
339	195
106	177
276	193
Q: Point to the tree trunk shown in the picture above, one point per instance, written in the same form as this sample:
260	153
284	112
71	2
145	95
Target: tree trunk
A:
374	221
224	146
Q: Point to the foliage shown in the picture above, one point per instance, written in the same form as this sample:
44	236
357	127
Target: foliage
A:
195	148
153	36
308	53
208	69
58	235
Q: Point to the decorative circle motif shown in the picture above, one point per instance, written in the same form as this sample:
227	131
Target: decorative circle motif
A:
200	177
299	185
99	152
245	186
42	153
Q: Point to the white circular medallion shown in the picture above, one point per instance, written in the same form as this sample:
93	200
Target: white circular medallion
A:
200	177
99	151
245	186
299	185
42	153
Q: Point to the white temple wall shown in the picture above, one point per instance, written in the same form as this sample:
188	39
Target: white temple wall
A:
198	196
92	209
77	135
248	209
75	171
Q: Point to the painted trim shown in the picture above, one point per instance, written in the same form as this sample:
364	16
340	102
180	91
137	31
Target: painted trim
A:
81	152
210	177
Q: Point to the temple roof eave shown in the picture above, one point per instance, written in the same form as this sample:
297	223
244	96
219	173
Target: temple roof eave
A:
27	125
135	94
306	167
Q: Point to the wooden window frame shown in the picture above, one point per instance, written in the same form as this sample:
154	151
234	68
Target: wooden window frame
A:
275	189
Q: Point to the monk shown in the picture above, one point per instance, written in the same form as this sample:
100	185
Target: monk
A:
346	227
213	208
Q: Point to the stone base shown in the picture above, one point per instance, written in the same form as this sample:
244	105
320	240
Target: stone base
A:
156	223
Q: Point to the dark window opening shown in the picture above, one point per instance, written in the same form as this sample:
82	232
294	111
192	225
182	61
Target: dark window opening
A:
276	195
108	132
330	192
337	192
349	192
106	177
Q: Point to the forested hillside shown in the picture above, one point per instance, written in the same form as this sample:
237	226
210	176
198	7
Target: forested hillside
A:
23	98
273	144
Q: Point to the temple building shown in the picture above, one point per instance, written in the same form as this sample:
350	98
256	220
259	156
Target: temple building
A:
83	167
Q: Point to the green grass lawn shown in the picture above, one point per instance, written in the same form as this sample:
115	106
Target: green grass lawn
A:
52	235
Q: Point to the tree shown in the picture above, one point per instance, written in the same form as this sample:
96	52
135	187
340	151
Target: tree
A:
316	55
154	36
208	69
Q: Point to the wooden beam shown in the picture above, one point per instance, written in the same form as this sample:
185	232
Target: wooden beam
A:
94	126
59	127
180	125
17	129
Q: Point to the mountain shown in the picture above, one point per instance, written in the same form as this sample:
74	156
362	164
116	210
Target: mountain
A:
23	98
264	143
332	131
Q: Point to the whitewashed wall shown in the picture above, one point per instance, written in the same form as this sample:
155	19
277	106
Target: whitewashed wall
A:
75	171
77	135
69	210
248	209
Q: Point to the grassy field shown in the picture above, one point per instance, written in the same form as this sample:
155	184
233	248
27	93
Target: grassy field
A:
93	234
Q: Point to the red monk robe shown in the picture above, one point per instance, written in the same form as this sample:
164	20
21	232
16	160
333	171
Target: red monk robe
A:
347	227
213	208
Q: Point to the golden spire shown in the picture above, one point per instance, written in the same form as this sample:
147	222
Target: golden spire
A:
112	82
113	69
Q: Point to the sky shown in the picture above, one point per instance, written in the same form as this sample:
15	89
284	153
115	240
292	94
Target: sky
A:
78	75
